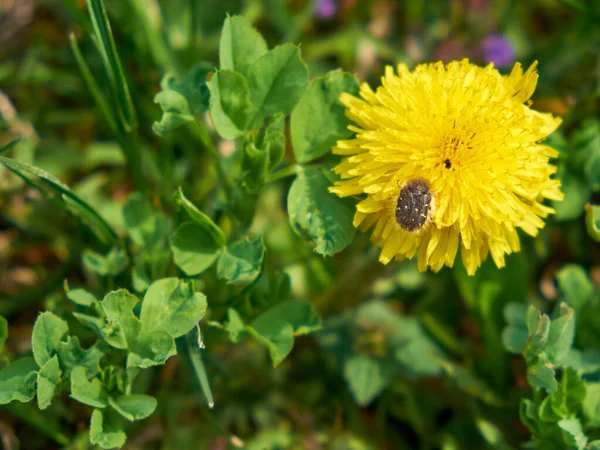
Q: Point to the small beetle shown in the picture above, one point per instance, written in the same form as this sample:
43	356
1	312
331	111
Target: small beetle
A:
414	204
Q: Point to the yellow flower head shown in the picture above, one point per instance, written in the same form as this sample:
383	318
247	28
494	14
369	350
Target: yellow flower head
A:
458	146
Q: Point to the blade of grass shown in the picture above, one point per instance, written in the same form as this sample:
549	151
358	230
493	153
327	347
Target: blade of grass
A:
92	85
121	116
8	146
79	15
73	203
112	63
151	18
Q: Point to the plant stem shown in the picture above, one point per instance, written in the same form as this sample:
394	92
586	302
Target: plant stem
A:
195	356
214	154
282	173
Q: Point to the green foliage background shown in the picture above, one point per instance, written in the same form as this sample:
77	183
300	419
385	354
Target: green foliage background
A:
175	273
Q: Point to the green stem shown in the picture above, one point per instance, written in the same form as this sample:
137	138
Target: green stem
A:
214	154
195	356
282	173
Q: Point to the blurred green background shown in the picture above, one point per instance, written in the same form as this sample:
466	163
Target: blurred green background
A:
464	394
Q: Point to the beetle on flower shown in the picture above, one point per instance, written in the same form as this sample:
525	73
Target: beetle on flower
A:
470	134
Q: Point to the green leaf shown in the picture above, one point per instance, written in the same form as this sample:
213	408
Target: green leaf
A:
134	406
298	313
230	107
547	411
280	438
240	44
202	219
491	433
149	265
241	262
122	327
538	326
112	264
49	330
418	354
277	335
182	100
151	349
90	393
92	321
47	381
3	331
71	202
561	335
542	375
176	111
318	120
574	390
592	221
71	355
515	335
105	431
586	141
591	404
575	286
255	165
274	141
117	380
276	80
137	215
270	289
17	381
413	350
276	327
194	248
568	400
81	296
573	433
528	414
318	215
275	146
235	325
365	377
171	305
145	226
594	445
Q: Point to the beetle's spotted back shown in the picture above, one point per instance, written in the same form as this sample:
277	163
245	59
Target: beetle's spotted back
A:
414	204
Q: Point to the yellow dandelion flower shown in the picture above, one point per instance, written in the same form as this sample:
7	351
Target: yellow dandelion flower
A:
458	146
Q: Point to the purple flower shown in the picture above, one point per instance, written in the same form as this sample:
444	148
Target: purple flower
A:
326	9
498	50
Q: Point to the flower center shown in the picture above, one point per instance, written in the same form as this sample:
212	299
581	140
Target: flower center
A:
453	150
